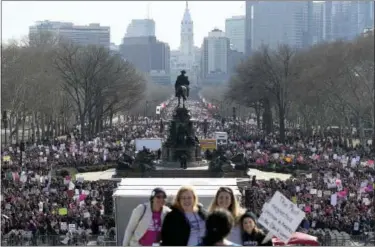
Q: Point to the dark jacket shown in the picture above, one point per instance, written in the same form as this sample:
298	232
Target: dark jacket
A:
176	228
182	80
254	239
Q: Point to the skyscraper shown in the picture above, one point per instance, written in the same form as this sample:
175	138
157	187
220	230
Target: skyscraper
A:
346	19
327	21
317	23
184	58
141	28
187	33
274	23
235	31
92	34
365	15
146	53
249	27
214	58
345	22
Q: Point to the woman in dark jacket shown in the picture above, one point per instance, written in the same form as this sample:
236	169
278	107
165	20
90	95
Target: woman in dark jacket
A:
185	224
251	234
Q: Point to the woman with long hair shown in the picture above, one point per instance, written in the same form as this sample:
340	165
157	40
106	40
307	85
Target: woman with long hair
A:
185	224
145	222
218	225
251	235
226	199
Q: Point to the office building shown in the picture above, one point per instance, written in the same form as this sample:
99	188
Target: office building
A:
146	53
249	17
235	32
214	58
327	21
345	20
273	23
141	28
349	18
92	34
160	77
317	23
365	15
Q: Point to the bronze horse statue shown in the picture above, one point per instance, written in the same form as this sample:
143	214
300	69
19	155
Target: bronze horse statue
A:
181	93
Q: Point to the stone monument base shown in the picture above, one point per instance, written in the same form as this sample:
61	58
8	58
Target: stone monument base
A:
171	154
176	164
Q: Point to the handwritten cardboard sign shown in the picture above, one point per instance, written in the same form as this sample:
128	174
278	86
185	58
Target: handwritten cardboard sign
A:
281	217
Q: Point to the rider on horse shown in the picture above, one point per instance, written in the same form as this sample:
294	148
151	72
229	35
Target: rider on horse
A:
182	80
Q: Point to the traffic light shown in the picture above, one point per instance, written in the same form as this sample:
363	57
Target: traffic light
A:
234	113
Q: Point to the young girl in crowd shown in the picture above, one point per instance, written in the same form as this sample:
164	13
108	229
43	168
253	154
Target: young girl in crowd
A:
251	234
225	199
218	225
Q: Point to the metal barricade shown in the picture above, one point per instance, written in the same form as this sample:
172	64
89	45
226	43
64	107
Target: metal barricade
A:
57	240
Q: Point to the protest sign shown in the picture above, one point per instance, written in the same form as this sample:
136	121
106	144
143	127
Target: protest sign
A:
281	217
63	211
72	227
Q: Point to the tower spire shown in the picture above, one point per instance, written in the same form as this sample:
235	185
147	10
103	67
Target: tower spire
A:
187	5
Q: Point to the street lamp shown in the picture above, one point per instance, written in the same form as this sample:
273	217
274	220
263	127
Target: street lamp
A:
5	125
22	149
146	108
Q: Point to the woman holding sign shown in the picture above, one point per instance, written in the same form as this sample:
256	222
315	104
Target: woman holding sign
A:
251	234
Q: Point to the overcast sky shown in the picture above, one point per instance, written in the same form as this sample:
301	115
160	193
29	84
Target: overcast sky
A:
18	16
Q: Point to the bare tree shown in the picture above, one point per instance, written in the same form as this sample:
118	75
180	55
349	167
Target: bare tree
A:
99	83
268	75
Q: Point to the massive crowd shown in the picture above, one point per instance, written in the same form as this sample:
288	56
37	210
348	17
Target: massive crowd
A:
337	192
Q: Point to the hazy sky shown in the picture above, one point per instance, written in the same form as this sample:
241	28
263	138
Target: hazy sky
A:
18	16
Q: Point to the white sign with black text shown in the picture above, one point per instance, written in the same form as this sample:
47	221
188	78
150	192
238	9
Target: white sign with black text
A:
281	217
158	109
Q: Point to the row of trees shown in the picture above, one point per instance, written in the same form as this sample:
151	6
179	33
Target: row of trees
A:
329	84
49	85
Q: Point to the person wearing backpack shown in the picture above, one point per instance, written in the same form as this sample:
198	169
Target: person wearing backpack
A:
145	222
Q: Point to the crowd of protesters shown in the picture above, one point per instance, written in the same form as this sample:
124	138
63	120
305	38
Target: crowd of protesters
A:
337	192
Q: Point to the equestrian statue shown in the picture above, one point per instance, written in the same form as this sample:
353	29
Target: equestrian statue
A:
182	88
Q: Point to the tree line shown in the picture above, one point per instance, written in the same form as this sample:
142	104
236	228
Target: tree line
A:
327	85
49	85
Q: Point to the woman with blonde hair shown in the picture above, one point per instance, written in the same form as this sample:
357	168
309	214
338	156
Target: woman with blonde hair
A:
185	224
226	199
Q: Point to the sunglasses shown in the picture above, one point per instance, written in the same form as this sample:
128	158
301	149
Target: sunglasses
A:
161	196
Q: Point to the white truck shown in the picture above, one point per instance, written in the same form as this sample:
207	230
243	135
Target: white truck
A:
150	143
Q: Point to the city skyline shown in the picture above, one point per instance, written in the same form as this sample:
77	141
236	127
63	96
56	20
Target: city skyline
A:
17	17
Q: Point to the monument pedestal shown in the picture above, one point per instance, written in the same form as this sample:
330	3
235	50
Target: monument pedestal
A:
181	139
